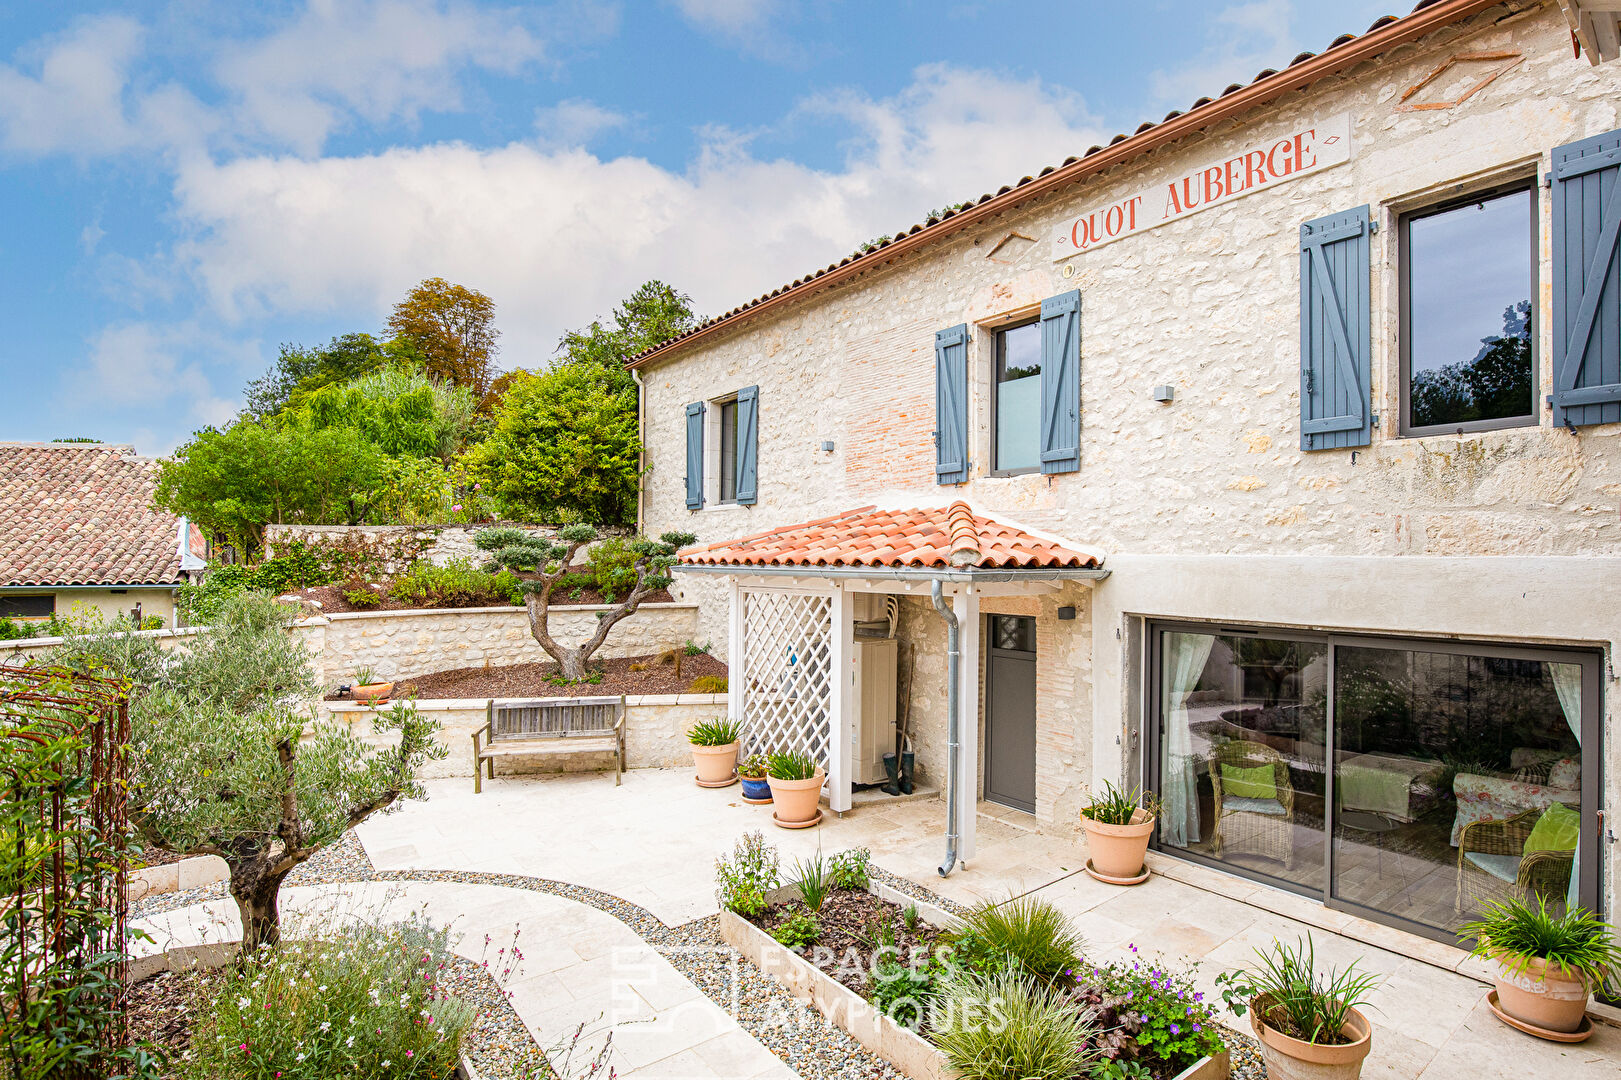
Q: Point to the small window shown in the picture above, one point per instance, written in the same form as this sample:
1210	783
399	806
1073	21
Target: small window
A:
1016	400
1468	317
27	607
728	452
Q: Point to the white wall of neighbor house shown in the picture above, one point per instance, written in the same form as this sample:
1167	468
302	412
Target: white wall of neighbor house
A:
110	603
1506	534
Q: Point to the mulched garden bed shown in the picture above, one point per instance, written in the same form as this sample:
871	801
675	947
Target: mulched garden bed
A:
531	680
330	597
853	923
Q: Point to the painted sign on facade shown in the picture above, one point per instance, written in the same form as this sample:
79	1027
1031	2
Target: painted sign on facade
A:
1312	148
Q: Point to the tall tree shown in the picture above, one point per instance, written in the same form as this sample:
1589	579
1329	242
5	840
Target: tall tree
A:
454	329
650	316
299	370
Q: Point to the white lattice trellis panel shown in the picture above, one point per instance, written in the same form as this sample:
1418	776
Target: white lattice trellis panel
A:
787	672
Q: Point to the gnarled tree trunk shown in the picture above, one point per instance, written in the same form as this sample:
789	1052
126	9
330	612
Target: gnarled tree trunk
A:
255	884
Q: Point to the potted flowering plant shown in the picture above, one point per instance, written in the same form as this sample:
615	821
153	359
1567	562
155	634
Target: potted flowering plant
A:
756	788
1307	1021
1118	824
1547	965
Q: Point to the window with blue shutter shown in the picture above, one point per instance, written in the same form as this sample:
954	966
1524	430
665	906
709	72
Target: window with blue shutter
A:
1336	332
951	405
748	444
1061	383
695	455
1587	281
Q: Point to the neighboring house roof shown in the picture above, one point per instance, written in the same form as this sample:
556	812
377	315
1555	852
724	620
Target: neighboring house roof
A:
949	536
81	514
1343	52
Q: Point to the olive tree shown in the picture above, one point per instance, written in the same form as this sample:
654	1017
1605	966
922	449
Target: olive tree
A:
514	549
228	760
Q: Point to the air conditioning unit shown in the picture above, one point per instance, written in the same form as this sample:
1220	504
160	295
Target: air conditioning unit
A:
874	697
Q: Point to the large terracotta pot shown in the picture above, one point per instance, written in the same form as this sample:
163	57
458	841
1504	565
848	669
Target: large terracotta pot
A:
716	764
1544	996
1292	1059
797	800
373	693
1119	851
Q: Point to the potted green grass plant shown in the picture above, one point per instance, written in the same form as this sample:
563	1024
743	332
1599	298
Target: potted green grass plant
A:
796	788
1547	965
1118	824
1308	1022
714	751
368	688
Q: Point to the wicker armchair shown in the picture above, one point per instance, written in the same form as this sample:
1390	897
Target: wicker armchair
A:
1263	827
1500	869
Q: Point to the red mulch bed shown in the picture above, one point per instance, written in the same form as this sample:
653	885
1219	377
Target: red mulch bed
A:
330	597
850	920
530	680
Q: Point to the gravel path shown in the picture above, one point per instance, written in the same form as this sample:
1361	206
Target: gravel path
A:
791	1029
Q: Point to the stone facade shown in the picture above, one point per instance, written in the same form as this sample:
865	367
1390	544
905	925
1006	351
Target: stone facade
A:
442	543
1404	536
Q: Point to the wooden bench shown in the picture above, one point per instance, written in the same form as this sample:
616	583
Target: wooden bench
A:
549	726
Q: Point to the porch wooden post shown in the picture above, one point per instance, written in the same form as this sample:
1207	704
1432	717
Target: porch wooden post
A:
965	605
735	705
841	706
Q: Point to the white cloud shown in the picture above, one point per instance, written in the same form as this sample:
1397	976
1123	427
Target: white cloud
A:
380	60
1244	40
76	101
575	122
558	235
753	26
159	370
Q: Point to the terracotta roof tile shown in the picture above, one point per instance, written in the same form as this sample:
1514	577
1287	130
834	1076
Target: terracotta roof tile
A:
81	514
940	537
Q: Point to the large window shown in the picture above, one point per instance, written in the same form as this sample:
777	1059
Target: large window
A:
1016	400
1468	281
1409	781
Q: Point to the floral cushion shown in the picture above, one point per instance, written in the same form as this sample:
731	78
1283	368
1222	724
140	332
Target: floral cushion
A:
1491	798
1566	773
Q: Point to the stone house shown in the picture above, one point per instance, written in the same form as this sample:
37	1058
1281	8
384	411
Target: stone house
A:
78	528
1268	457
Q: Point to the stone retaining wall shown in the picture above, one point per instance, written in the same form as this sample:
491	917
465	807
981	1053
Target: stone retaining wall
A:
443	542
655	734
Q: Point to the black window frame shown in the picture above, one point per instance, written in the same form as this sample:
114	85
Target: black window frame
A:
6	600
1526	185
1592	661
998	360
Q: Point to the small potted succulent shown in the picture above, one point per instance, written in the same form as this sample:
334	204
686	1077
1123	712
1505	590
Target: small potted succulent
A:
1307	1022
714	751
1118	824
368	689
796	788
1547	965
756	788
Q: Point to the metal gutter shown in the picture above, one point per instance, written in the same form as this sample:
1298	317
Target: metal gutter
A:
103	588
909	573
1338	58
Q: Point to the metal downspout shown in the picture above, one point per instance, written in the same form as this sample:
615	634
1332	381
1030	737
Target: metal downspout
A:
953	723
641	442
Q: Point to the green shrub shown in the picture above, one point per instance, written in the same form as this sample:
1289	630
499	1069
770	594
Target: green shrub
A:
708	684
798	930
1030	934
152	622
721	731
811	881
11	631
790	765
743	880
362	596
456	584
363	1000
1006	1024
903	992
694	649
613	567
849	868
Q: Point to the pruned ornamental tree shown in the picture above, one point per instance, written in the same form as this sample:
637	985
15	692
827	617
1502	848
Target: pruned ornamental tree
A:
514	549
227	763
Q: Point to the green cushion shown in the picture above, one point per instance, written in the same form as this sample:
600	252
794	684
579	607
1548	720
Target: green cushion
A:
1256	783
1555	830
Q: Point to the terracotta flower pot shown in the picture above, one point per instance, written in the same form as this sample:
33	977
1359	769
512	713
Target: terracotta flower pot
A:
1544	996
716	764
797	800
1119	851
1293	1059
373	693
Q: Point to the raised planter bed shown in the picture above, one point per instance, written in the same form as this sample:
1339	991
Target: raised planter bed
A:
189	873
909	1052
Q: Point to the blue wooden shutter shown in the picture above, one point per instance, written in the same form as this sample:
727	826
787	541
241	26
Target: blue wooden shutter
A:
748	444
1336	332
695	455
1587	281
951	405
1061	382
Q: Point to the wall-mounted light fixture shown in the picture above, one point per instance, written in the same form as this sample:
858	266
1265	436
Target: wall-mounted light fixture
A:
1164	394
1065	614
827	446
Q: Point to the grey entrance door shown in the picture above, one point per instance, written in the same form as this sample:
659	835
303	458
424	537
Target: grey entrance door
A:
1010	713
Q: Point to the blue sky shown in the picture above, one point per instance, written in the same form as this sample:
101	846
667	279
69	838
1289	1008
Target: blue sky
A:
190	184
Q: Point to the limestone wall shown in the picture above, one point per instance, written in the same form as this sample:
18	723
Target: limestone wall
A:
401	643
442	543
656	728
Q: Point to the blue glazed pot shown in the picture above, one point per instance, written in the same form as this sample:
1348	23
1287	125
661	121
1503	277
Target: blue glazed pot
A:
756	789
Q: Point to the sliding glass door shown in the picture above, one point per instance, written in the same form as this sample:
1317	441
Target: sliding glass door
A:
1457	776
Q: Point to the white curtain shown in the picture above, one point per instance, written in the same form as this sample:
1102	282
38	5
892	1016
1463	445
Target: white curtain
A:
1567	683
1181	665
